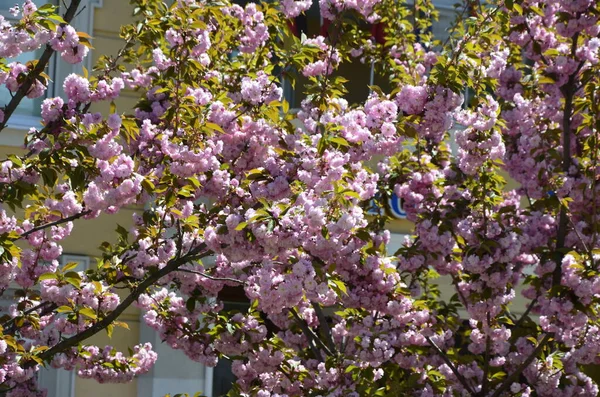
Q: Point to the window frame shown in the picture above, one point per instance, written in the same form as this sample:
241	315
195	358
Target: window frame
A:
17	120
58	382
58	70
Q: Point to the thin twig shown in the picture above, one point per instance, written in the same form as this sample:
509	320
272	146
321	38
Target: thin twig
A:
446	359
195	254
513	336
510	379
324	325
580	237
208	276
25	313
55	223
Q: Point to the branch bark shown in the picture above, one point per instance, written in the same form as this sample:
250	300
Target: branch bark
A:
516	373
486	364
563	219
568	92
208	276
446	359
312	338
55	223
195	254
324	325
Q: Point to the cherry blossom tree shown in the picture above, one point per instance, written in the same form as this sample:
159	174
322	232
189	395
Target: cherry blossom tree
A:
282	199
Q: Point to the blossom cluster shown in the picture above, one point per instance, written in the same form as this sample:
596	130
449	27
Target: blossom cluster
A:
217	166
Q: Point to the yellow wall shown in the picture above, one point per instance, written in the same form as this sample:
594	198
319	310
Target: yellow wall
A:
88	234
108	20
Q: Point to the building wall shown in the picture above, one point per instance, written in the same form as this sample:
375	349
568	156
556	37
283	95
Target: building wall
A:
107	23
107	17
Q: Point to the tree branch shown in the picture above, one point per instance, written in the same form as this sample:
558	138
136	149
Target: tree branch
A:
212	277
310	335
509	381
55	223
446	359
37	70
172	265
324	325
486	364
568	92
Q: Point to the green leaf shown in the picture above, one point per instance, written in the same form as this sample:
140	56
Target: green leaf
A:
97	286
190	304
241	226
517	7
214	126
86	311
57	18
73	278
255	173
69	266
15	160
109	330
123	233
122	324
46	8
48	276
148	185
351	193
194	181
339	140
340	286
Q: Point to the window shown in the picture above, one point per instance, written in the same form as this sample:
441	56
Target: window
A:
312	24
28	113
447	15
58	382
28	107
82	261
222	376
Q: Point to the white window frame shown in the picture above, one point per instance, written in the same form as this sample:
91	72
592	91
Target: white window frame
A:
22	121
83	261
156	384
58	382
19	124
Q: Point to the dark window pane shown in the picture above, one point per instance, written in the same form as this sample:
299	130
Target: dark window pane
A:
223	378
